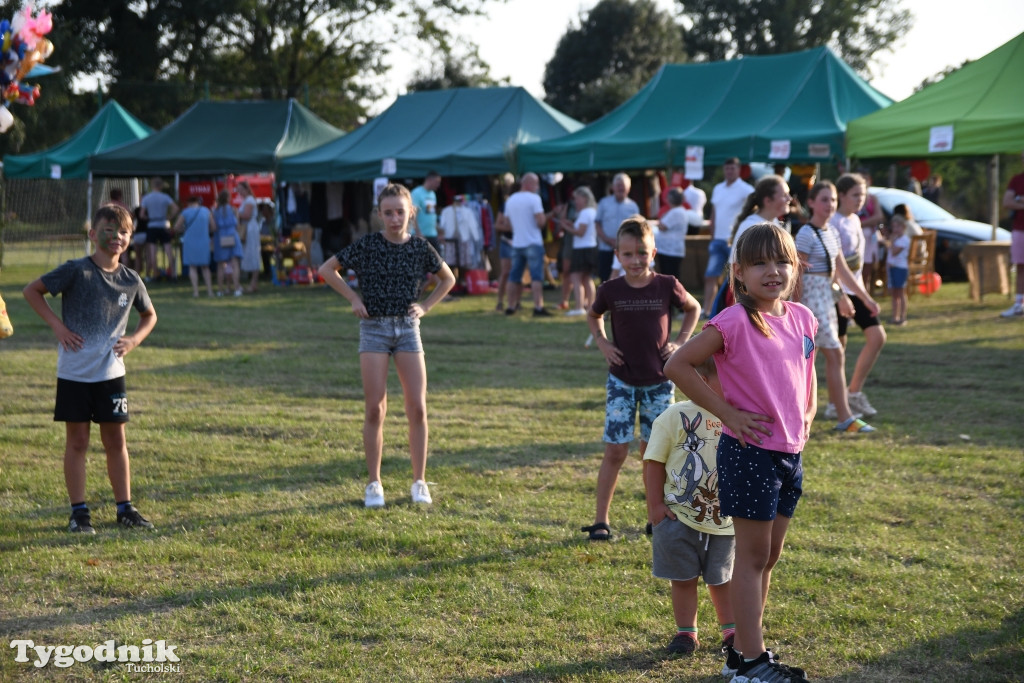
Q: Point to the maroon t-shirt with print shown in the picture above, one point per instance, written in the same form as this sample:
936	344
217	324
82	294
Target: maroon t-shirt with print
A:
641	318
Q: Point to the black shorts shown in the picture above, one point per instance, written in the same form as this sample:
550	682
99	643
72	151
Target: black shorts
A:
862	316
91	401
158	235
584	260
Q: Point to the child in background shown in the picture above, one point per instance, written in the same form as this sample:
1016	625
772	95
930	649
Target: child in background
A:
641	303
97	293
391	266
684	440
898	267
583	261
766	411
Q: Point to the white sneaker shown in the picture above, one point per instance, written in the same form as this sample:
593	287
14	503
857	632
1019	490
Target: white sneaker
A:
830	412
1012	311
576	312
420	492
859	404
374	495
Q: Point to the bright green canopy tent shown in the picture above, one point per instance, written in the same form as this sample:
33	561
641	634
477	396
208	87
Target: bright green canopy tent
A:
789	108
215	138
112	126
456	132
976	110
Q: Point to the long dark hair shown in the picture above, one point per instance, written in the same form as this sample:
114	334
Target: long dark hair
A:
766	188
764	240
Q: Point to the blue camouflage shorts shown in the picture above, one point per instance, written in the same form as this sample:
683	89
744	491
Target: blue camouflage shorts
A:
623	402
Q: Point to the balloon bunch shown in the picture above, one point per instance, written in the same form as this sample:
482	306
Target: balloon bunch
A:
22	47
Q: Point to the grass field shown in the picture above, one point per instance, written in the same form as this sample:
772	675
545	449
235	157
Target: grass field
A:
903	563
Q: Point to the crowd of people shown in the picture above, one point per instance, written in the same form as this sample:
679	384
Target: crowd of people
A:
725	463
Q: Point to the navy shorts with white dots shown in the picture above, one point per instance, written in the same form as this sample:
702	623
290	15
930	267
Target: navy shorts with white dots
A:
756	483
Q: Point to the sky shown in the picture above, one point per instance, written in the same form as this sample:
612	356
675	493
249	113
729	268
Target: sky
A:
519	38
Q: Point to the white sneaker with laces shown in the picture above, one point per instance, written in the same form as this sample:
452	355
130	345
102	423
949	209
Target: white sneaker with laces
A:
1012	311
374	495
576	312
420	492
859	404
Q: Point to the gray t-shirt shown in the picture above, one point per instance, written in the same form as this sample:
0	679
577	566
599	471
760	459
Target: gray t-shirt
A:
95	305
610	214
156	205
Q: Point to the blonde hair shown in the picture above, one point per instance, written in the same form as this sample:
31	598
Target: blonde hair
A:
585	192
761	241
637	226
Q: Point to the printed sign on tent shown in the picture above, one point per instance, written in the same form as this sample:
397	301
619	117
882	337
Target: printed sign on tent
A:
780	149
941	139
388	167
694	162
55	171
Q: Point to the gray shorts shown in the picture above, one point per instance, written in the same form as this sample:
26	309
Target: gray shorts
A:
681	553
390	334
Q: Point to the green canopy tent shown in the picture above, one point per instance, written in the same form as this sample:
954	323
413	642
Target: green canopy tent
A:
457	132
788	108
976	110
216	138
112	126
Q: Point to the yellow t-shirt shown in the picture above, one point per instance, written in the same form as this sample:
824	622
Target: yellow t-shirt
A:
685	438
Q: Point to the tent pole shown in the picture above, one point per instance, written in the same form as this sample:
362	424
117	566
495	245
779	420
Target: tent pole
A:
88	209
993	193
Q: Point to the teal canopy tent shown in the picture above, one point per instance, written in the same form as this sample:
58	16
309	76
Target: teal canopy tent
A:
457	132
216	138
788	108
112	126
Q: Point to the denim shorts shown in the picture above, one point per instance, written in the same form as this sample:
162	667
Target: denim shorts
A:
623	402
718	254
757	483
504	249
390	334
898	277
681	553
523	257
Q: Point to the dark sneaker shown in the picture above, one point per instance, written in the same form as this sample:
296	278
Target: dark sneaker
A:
541	313
733	659
683	644
766	669
131	519
81	523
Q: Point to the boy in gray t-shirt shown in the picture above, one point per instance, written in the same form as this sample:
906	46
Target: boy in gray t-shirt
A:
97	294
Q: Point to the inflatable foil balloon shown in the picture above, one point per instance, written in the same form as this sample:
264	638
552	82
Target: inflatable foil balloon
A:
23	49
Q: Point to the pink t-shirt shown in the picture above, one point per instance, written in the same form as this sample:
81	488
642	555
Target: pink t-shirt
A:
769	375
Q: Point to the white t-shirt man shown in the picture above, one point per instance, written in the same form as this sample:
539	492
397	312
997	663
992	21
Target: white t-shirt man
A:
522	209
728	201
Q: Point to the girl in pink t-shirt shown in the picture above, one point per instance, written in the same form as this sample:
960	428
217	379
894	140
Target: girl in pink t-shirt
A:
764	353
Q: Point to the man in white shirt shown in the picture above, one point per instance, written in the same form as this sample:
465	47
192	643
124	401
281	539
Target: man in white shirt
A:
611	211
525	212
726	202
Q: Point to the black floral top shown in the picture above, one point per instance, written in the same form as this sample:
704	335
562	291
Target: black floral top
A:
391	276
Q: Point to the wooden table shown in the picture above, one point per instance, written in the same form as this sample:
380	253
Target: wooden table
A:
988	267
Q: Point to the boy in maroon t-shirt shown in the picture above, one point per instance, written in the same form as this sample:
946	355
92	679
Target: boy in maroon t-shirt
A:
641	303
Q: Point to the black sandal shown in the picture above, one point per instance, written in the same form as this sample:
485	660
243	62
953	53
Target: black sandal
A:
600	526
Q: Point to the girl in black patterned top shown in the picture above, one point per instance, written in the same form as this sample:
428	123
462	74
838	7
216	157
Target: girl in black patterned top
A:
391	266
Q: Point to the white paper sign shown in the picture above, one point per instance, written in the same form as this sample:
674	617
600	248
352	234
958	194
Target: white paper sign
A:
388	167
694	162
55	171
941	139
779	150
819	151
378	185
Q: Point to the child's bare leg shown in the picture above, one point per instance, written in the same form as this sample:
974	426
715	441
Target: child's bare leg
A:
608	476
374	368
721	598
75	449
684	603
412	373
193	277
118	470
747	587
206	280
835	378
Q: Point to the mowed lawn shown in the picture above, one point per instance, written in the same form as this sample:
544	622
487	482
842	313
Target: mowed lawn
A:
903	563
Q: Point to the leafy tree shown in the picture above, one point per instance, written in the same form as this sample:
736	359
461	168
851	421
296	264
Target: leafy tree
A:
464	71
157	57
617	47
855	29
